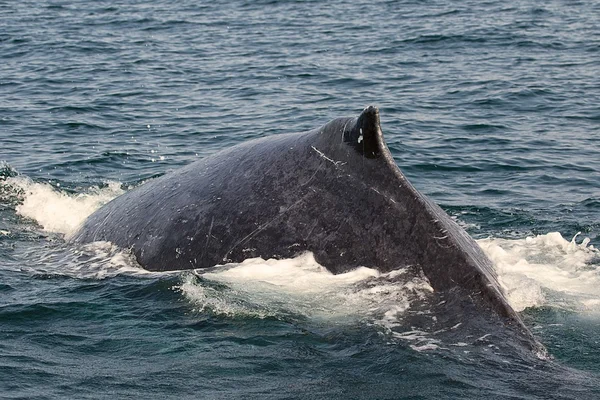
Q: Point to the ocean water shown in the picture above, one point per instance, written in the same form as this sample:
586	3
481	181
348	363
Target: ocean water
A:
491	108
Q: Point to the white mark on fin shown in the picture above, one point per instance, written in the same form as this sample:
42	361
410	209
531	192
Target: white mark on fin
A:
344	130
360	138
336	163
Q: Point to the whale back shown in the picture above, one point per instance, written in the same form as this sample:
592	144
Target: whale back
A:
335	191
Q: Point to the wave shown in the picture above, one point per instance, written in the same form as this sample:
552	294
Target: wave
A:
53	209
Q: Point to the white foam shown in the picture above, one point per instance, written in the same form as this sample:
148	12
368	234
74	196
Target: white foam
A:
547	270
300	286
301	274
55	210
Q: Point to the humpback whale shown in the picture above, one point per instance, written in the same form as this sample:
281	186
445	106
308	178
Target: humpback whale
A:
334	191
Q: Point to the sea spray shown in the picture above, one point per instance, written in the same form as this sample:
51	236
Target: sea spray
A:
56	210
547	270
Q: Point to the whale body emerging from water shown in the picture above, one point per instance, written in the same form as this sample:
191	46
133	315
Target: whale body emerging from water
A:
334	191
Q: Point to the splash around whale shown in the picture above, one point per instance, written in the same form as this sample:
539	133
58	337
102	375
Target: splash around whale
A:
334	191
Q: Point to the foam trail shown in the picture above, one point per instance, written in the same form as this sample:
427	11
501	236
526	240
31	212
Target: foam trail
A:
57	211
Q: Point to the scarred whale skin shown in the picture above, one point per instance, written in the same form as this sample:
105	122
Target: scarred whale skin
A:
335	191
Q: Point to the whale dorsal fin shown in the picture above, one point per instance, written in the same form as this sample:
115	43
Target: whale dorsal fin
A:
364	135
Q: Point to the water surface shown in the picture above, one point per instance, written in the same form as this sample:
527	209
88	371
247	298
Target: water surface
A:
491	108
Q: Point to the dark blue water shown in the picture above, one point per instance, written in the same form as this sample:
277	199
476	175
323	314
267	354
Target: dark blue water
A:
491	108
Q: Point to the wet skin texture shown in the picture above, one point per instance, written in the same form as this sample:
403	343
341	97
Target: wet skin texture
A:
334	191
